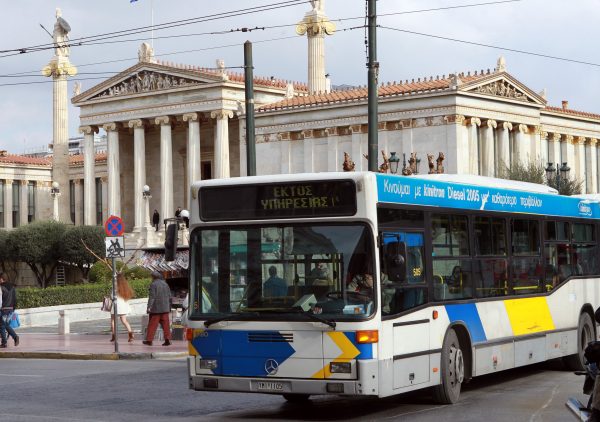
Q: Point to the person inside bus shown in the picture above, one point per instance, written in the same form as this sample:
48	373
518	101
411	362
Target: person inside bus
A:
362	283
318	275
456	278
274	286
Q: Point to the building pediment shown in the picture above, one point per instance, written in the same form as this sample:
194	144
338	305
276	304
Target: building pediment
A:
505	86
146	78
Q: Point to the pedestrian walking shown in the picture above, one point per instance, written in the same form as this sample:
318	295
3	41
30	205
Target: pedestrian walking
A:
155	219
124	294
159	306
9	303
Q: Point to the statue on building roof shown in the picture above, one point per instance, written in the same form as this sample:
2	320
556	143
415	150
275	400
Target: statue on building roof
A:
318	5
501	64
146	53
61	35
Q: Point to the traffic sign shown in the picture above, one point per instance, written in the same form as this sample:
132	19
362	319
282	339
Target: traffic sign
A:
114	226
115	247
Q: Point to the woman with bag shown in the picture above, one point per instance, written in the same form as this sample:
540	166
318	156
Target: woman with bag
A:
8	304
124	294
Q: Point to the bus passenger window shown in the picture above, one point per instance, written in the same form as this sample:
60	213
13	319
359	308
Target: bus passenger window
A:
452	279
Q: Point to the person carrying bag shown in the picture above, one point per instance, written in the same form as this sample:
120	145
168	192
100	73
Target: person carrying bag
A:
9	303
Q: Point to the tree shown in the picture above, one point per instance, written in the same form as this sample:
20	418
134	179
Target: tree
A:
7	261
535	172
38	245
75	253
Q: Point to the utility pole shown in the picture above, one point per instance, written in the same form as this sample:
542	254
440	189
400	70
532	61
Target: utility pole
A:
373	67
249	88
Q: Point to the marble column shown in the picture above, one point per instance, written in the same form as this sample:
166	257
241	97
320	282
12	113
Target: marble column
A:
544	147
579	146
503	147
104	187
193	148
521	150
89	175
113	170
308	144
221	158
357	150
591	166
333	158
487	148
8	204
78	198
554	149
166	167
568	153
286	152
23	202
473	152
139	171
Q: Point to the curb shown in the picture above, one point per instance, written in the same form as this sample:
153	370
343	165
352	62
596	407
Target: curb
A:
93	356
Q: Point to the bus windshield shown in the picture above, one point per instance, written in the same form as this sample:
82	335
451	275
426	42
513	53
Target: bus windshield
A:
269	270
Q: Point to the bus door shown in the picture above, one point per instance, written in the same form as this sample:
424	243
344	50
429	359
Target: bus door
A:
403	287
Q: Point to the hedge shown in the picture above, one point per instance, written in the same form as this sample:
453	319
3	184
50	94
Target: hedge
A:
34	297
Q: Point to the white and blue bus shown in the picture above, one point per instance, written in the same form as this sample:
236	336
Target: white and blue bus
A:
375	284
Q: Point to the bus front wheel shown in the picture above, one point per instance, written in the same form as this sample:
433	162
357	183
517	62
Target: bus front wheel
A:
585	334
296	398
452	371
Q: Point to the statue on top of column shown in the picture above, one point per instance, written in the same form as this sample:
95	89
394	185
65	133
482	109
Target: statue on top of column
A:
318	5
61	35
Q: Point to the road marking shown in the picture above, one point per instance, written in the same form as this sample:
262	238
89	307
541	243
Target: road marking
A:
15	375
536	415
21	417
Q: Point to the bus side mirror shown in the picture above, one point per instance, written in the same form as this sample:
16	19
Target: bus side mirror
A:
171	242
396	261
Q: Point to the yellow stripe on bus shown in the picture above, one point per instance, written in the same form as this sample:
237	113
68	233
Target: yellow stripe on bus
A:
191	349
349	352
529	315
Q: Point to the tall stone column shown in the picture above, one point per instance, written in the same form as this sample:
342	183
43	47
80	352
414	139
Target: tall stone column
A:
286	152
8	204
166	167
333	157
474	124
113	170
591	164
544	147
89	175
60	68
308	143
579	145
139	172
554	149
222	143
487	148
78	199
23	202
520	150
193	148
568	152
503	148
316	25
357	150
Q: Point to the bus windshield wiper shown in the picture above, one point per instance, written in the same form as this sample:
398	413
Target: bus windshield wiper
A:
212	321
310	315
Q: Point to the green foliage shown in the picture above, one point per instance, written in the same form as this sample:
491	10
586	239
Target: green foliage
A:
7	262
535	172
34	297
38	245
100	273
73	250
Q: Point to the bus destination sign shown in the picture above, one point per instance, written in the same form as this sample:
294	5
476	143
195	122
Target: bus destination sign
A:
278	200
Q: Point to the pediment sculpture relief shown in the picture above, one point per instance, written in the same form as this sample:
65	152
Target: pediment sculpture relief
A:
146	81
502	88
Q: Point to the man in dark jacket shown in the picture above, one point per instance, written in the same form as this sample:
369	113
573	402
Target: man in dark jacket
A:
159	307
9	302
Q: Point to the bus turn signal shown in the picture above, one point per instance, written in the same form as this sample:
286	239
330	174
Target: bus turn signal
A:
367	336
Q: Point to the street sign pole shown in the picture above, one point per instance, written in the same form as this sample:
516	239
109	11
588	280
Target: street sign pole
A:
114	299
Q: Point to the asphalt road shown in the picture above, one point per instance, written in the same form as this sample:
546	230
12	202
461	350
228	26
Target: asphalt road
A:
62	390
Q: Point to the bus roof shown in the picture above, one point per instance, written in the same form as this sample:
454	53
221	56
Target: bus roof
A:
468	179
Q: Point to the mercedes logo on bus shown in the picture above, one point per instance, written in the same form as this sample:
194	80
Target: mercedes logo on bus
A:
271	366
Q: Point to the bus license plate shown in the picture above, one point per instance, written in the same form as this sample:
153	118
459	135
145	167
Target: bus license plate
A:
269	386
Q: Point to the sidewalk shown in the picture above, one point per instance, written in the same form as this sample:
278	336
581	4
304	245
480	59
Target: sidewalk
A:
89	340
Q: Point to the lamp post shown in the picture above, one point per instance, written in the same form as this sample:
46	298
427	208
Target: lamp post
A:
146	194
557	174
394	161
55	192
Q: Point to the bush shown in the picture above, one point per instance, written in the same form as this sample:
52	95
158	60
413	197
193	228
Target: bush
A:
33	297
99	273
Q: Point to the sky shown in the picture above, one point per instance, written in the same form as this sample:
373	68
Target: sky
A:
560	28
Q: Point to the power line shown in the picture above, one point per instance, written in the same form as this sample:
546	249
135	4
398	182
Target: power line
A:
497	47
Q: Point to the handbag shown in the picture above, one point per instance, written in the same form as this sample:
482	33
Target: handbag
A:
107	304
14	320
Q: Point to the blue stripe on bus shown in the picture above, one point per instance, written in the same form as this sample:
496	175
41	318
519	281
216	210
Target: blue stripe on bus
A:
467	313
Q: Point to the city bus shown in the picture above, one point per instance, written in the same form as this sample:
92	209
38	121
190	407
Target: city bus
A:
374	284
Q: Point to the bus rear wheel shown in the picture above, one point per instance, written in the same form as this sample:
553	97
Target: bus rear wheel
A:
585	334
452	371
296	398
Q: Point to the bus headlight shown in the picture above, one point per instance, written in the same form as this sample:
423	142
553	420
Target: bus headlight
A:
208	364
340	367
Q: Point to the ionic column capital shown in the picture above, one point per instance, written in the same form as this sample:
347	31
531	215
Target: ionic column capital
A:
593	142
522	128
507	126
283	136
492	124
308	133
221	114
110	126
8	182
162	120
136	123
24	182
76	182
555	137
569	139
355	128
543	134
331	131
474	121
580	140
454	118
192	117
88	130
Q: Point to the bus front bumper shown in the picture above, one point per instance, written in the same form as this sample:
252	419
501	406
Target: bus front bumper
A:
287	385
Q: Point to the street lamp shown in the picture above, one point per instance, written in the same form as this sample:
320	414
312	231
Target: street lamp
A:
146	194
55	192
557	174
394	161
